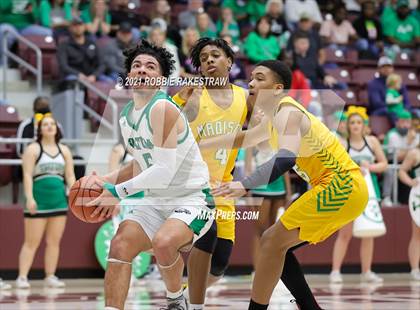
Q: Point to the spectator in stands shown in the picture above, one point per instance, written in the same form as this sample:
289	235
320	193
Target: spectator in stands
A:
162	10
56	15
403	30
309	64
22	17
409	174
239	11
47	169
300	89
127	11
188	18
338	32
416	12
237	74
79	56
389	11
157	36
260	44
394	100
227	25
113	51
189	38
369	30
295	8
204	26
255	9
398	140
316	49
274	9
367	152
377	91
97	18
28	127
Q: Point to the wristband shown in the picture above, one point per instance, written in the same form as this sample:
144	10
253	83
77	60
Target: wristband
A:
111	188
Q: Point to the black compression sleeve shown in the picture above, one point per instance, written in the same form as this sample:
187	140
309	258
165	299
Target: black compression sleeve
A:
270	171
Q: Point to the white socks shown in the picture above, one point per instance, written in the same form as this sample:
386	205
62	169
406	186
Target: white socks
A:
196	307
173	295
111	308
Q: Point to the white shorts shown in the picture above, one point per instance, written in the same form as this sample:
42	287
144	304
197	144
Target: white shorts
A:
151	212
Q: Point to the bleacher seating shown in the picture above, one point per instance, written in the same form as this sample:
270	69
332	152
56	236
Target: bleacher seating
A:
49	57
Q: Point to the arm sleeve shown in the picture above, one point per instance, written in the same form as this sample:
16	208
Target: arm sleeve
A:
158	176
270	171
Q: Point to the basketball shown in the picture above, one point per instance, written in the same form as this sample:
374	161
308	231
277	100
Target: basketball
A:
82	192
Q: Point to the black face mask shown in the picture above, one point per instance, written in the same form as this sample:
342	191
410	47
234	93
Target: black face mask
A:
402	15
402	131
43	110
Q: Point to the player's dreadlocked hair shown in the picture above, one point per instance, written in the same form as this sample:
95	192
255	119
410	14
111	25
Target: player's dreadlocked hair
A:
164	58
203	42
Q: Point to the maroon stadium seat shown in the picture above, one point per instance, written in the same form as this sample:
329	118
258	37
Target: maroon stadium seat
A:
380	125
403	60
349	96
409	77
364	98
340	74
9	121
49	57
362	76
414	98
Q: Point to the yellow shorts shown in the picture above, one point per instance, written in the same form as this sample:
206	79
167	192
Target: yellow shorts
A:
328	206
225	219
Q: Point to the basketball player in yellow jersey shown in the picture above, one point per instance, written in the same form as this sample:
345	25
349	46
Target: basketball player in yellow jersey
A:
338	191
213	111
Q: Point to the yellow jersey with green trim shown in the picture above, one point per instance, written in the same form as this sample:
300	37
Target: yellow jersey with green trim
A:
212	120
321	154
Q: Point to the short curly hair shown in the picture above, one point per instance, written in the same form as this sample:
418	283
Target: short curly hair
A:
164	58
203	42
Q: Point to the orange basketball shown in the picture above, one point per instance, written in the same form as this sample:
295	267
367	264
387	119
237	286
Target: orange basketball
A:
83	191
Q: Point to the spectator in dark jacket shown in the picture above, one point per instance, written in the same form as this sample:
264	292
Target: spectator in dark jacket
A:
377	91
309	64
79	57
113	52
369	30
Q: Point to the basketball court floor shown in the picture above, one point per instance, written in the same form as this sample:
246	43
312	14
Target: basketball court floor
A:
397	293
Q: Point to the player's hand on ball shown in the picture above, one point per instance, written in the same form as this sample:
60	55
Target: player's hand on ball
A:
230	190
104	204
31	206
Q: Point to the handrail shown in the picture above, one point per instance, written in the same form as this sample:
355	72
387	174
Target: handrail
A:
114	107
8	54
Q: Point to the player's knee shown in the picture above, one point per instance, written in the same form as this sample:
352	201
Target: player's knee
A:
269	240
163	245
119	248
345	235
220	258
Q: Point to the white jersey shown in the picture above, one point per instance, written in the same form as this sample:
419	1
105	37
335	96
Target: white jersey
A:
192	173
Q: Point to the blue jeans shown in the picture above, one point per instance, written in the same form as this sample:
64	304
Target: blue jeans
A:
32	30
365	45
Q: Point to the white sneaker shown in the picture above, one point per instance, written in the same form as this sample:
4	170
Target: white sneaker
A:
4	285
335	277
53	281
415	274
22	282
370	277
387	202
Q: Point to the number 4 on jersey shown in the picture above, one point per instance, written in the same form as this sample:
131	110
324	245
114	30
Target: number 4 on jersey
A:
222	156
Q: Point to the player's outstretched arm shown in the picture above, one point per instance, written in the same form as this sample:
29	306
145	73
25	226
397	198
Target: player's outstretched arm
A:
290	124
239	139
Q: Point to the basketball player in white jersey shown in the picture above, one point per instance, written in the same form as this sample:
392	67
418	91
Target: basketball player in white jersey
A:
166	183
